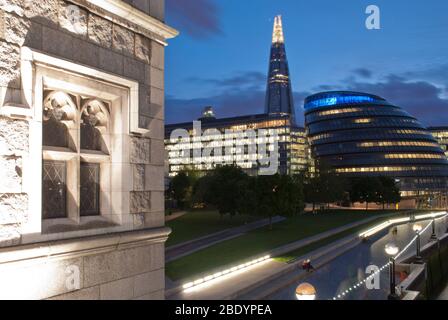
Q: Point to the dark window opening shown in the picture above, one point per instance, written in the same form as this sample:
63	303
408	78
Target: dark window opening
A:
90	189
54	189
55	133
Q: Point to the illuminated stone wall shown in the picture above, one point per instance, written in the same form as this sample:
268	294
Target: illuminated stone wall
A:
111	44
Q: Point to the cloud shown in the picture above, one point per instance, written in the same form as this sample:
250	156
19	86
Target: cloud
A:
363	72
244	94
226	104
198	18
248	79
422	99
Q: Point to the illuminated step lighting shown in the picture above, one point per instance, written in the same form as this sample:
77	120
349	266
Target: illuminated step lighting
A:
388	223
227	272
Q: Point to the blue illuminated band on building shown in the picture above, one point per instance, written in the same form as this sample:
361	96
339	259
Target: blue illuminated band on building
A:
337	98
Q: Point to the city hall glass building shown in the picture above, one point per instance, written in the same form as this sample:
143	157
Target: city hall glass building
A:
360	134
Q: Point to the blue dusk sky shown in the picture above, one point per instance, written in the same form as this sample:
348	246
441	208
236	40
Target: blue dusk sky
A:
221	56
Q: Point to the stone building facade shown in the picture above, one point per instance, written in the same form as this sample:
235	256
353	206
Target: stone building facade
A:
82	149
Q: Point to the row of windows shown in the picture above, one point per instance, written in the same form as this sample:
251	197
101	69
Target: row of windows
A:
337	124
388	169
349	135
223	143
352	112
372	144
414	156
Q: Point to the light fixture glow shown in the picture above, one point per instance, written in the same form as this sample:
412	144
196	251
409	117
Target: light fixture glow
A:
305	291
226	272
391	249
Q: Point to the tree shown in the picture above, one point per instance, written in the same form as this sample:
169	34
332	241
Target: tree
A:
278	195
201	189
226	187
181	187
325	187
389	193
365	189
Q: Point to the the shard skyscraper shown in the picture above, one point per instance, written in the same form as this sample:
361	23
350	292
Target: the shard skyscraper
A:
279	99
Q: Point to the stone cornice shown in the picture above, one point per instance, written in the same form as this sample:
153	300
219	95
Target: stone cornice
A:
118	11
71	248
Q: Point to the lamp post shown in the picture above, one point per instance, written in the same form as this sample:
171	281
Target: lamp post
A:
392	250
417	229
433	234
305	291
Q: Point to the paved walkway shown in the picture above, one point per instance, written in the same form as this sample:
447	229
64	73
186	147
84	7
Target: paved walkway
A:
187	248
259	281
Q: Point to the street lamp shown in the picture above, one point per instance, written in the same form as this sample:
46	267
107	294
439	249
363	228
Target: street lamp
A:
392	250
433	234
305	291
417	229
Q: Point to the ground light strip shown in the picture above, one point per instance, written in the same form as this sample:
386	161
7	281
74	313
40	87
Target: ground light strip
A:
388	223
360	283
223	273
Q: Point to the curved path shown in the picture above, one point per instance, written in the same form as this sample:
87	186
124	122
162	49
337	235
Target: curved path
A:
187	248
347	269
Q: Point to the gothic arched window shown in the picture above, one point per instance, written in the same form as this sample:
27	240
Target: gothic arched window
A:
58	117
94	125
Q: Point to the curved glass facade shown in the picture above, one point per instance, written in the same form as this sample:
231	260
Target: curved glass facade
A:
360	134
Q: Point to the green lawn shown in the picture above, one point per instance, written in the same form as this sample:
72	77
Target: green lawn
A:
260	240
198	223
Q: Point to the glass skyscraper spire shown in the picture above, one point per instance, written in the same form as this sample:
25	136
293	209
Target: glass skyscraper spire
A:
279	99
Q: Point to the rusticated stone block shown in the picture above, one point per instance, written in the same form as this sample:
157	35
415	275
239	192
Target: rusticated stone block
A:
9	65
100	30
139	177
140	150
73	18
16	6
140	201
45	12
143	48
138	220
16	29
11	173
9	235
13	208
13	136
123	40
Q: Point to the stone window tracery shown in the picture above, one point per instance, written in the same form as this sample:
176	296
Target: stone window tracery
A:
75	133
